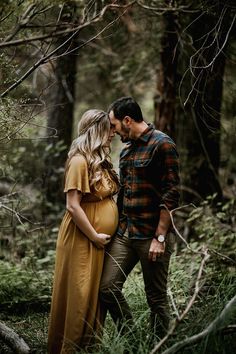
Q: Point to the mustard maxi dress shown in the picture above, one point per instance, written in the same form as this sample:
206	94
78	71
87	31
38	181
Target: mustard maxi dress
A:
75	314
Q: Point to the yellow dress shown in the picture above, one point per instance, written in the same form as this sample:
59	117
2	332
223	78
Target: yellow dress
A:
75	314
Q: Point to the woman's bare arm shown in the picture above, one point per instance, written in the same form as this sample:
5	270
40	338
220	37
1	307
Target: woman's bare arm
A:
73	205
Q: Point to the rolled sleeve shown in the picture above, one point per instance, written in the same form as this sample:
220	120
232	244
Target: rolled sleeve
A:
170	175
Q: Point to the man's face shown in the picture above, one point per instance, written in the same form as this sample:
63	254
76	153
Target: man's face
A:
119	128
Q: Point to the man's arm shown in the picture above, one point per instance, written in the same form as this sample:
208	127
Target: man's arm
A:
157	248
169	194
170	175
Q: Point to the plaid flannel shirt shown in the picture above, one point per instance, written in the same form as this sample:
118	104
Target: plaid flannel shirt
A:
149	176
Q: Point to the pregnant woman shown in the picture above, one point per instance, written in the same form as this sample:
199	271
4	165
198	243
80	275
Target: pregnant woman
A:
87	227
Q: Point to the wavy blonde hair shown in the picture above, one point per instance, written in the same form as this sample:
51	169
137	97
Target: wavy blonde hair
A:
93	133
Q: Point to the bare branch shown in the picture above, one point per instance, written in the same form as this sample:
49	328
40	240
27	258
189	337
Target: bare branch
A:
7	196
5	17
67	52
163	10
37	38
19	216
211	250
205	257
173	303
27	122
24	20
214	326
44	59
68	30
17	130
198	64
175	228
219	51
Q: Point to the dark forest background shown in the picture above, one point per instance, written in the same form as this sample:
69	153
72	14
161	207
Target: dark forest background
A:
177	59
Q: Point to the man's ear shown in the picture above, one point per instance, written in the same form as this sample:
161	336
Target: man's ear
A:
127	120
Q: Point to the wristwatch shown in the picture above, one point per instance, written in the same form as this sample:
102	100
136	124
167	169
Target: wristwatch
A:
160	238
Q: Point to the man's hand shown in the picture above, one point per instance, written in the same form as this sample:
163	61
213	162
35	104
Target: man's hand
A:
156	249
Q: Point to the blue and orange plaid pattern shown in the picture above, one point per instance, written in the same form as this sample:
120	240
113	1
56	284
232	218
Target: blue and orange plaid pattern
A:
149	177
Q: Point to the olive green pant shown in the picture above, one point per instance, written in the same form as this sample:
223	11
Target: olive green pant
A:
122	255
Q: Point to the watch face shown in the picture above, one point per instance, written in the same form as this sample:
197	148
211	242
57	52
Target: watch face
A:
161	238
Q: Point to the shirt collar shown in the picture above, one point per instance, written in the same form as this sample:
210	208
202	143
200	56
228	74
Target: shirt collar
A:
146	134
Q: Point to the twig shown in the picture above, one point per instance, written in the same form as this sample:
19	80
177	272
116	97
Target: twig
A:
19	216
22	22
210	329
175	228
205	256
216	29
7	196
211	250
66	31
5	17
163	10
45	58
197	67
173	302
220	49
67	52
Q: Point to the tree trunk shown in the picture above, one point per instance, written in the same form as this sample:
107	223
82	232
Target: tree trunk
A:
60	107
164	99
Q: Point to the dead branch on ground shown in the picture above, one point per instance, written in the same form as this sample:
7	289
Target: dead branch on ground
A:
13	340
212	328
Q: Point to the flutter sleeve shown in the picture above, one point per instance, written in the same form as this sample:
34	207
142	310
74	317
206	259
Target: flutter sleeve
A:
77	175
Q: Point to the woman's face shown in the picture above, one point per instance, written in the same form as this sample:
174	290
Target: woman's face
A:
110	136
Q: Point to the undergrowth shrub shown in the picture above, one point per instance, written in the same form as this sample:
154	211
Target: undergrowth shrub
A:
214	226
31	281
21	286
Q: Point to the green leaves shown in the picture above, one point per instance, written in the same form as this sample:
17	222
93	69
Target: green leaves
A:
19	285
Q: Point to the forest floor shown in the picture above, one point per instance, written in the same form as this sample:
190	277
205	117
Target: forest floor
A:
31	322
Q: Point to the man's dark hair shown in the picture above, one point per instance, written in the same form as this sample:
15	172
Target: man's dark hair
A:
126	106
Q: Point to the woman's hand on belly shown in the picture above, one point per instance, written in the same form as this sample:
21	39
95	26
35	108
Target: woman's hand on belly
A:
101	240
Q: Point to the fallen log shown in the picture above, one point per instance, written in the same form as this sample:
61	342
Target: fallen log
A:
13	340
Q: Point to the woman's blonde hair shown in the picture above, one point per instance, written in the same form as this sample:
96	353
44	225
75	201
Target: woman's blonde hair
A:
93	133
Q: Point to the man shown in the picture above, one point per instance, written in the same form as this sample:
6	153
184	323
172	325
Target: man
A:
149	188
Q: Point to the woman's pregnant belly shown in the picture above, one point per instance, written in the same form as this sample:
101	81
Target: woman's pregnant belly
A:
103	215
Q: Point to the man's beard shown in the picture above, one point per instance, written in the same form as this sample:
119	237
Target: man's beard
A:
126	138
